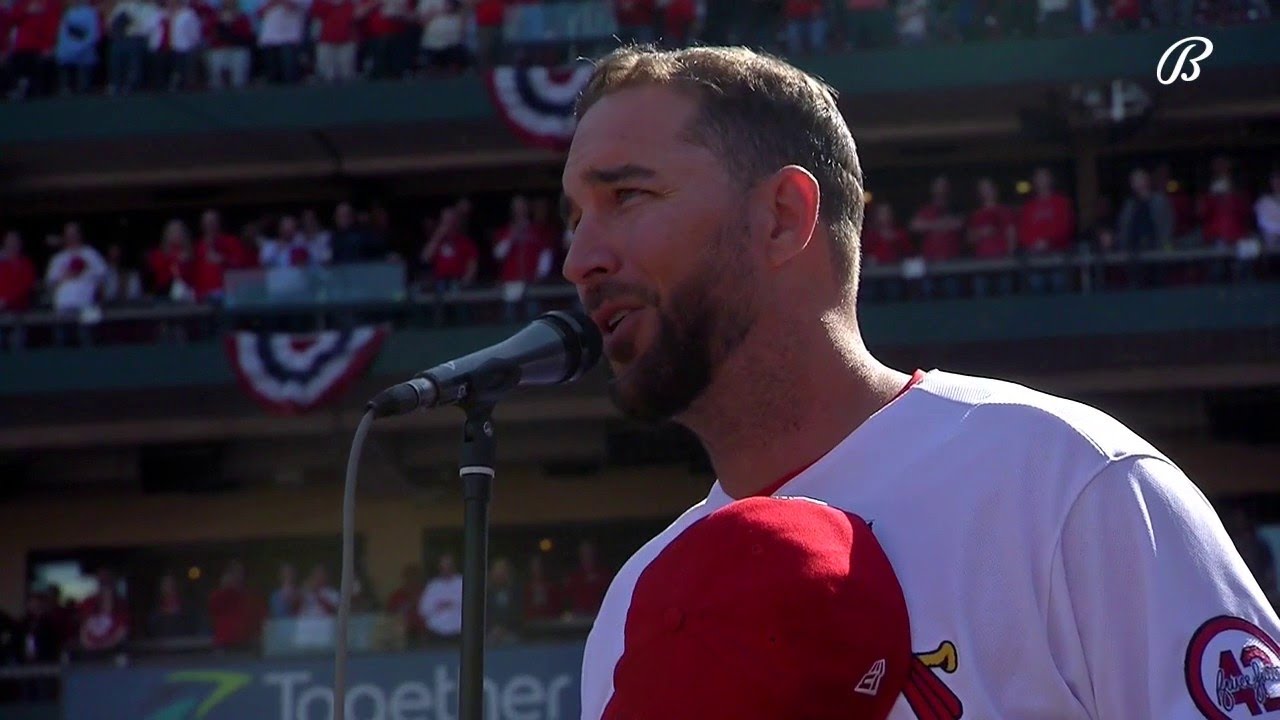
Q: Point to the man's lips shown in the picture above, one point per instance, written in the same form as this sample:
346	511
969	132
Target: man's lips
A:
610	315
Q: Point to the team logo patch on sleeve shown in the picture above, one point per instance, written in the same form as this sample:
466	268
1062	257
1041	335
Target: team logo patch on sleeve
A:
1233	670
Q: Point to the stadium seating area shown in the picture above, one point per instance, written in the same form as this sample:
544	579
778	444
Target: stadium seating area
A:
124	46
123	616
75	288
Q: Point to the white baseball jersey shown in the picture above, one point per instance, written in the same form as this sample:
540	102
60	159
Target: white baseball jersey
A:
1055	564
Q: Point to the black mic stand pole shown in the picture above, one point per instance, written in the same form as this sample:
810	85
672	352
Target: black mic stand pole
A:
476	471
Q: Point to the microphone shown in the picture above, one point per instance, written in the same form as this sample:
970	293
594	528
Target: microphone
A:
556	348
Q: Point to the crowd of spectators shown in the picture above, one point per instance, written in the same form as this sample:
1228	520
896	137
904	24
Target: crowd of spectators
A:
109	625
518	604
453	250
124	46
443	254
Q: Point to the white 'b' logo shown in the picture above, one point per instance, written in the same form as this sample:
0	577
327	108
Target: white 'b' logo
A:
1188	46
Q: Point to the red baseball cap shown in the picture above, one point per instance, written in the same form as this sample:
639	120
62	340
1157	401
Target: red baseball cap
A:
769	608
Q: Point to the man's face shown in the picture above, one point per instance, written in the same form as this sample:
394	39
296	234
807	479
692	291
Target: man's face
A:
660	254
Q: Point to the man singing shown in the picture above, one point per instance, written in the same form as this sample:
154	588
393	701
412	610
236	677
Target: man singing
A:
1052	563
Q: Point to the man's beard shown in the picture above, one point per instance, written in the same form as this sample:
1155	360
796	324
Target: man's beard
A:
705	319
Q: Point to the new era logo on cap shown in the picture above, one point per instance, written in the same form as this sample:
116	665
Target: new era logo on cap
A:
870	683
767	608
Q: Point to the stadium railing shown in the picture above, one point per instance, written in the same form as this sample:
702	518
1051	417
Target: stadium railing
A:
381	288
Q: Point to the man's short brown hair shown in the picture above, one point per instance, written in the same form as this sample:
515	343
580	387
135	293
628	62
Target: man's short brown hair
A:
758	114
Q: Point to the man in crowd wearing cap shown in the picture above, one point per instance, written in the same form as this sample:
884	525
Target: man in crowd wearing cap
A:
1039	558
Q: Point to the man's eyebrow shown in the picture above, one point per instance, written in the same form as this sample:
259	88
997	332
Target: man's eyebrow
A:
610	175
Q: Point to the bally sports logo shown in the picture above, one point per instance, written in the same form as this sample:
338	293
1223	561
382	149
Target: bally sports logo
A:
1233	669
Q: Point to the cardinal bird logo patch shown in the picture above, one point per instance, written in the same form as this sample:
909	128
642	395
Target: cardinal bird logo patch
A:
1233	670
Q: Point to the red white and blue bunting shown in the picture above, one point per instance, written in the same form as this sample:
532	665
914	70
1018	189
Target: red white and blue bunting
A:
537	103
290	374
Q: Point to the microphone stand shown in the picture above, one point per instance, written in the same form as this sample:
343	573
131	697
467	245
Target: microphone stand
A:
476	470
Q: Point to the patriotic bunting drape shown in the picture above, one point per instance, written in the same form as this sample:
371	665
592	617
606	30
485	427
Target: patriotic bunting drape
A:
294	373
537	103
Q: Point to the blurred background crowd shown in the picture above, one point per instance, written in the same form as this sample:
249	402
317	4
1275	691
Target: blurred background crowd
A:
126	46
521	242
112	614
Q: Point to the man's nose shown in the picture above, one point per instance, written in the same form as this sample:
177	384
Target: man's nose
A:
591	256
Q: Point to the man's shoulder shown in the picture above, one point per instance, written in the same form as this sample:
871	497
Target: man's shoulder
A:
1016	416
641	558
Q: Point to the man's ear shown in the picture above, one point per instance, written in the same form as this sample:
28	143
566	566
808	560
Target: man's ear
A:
791	199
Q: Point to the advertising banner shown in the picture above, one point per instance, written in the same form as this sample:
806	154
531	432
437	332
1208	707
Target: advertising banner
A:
538	682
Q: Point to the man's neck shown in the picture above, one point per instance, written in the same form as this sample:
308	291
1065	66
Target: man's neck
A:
787	401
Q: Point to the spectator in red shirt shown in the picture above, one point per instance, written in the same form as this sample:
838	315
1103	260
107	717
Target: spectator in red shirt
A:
806	26
1224	210
585	587
17	275
939	228
172	264
1046	224
336	44
17	285
938	225
991	236
235	612
450	253
526	256
215	253
1047	221
884	242
635	20
450	256
35	35
542	598
104	618
991	230
403	603
230	39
